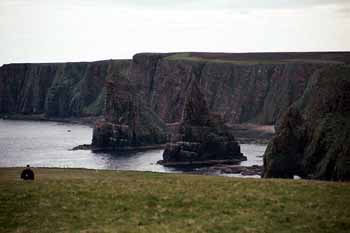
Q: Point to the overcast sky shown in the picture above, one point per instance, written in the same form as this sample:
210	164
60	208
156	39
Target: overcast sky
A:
86	30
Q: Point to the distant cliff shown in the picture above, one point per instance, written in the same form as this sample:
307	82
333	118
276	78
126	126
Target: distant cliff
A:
313	137
255	88
252	87
57	89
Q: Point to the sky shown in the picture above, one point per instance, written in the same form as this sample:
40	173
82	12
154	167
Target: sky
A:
88	30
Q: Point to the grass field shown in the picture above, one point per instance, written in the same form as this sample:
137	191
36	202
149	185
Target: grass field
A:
65	200
194	58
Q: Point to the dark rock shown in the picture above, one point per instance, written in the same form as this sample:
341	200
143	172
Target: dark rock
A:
313	138
57	90
254	170
202	136
256	88
83	147
128	122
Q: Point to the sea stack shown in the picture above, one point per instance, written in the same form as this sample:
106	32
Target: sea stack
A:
128	123
202	137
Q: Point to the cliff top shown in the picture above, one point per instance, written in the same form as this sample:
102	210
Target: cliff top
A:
258	58
62	63
338	57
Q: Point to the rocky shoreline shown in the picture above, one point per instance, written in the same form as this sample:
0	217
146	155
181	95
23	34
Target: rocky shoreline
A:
255	170
200	163
121	149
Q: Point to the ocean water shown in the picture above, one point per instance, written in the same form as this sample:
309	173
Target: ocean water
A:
49	144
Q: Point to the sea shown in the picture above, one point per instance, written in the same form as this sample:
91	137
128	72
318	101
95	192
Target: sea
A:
49	144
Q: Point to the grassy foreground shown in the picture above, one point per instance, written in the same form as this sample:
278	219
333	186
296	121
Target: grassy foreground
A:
65	200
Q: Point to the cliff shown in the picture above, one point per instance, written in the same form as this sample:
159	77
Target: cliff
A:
57	90
251	87
313	137
256	88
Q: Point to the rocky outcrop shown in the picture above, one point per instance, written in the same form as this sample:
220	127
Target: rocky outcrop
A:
57	90
202	137
313	137
128	122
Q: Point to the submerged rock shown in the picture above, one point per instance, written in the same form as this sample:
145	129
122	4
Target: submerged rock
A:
202	137
313	138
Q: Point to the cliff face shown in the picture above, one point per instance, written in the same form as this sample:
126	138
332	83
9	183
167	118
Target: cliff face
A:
254	88
57	89
313	138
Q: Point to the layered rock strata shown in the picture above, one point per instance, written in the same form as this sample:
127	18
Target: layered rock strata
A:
244	88
313	137
256	88
202	137
128	122
57	90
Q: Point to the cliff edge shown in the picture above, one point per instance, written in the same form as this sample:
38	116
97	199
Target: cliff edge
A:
313	137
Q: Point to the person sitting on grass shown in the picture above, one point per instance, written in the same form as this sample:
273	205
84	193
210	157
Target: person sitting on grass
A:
27	174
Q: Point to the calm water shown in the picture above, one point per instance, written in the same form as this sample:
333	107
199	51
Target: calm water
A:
48	144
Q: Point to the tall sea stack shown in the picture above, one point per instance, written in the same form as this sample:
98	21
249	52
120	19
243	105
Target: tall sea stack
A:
128	123
202	137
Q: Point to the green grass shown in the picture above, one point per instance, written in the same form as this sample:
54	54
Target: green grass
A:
189	57
64	200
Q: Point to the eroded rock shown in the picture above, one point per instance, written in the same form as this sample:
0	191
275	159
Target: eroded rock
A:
128	122
57	90
202	137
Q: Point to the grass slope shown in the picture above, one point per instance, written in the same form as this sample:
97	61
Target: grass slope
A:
65	200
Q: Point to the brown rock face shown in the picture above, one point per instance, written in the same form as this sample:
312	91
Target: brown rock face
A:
128	123
57	89
313	138
255	88
196	112
202	137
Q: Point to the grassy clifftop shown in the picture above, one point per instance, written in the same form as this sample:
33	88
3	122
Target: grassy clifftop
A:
73	200
264	58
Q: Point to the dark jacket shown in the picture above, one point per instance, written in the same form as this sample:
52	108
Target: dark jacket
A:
27	174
